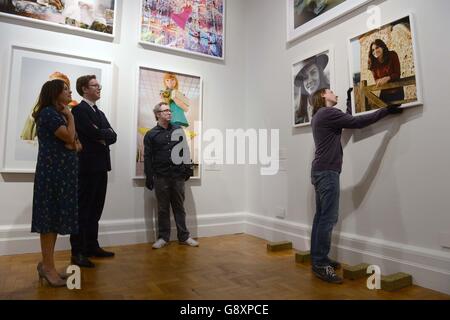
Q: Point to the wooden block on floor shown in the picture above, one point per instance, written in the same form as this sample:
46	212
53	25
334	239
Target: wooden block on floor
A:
279	246
355	272
396	281
302	256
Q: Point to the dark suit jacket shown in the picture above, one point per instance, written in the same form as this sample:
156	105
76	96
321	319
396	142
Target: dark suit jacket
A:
95	134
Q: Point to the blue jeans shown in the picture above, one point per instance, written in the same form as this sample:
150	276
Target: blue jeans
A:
326	185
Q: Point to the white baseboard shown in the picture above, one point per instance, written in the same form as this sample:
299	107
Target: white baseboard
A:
18	239
430	268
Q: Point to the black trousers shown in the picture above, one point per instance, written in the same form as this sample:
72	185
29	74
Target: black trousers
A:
91	199
170	192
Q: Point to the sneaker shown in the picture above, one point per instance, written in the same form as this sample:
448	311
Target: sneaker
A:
327	273
190	242
336	265
159	244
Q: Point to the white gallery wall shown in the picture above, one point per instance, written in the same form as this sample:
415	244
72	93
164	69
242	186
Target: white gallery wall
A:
214	204
394	200
394	209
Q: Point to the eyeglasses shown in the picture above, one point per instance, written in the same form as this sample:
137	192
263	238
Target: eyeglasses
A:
165	111
98	86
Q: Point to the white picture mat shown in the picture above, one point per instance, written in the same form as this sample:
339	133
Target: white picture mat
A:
150	120
76	30
296	67
149	44
23	90
354	65
333	14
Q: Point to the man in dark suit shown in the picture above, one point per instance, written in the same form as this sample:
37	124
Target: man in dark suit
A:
96	135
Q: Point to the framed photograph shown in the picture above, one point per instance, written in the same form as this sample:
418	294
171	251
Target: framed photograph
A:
193	26
384	67
311	73
304	16
155	86
30	68
90	16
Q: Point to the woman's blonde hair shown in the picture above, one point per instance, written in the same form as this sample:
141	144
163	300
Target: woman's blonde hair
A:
170	76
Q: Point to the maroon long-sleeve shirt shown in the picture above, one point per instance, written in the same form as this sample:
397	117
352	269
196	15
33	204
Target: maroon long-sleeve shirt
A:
327	125
390	69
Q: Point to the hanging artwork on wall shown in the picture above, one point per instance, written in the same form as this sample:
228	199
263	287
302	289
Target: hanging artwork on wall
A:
184	96
305	16
30	69
310	74
384	69
193	26
91	16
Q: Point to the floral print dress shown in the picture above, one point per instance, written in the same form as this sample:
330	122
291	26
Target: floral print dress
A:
55	199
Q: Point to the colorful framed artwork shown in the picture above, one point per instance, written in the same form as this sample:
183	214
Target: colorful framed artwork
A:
309	74
154	88
96	17
305	16
30	68
192	26
384	67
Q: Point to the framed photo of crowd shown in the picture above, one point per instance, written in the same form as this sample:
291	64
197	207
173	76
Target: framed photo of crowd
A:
309	74
30	68
183	93
384	67
192	26
305	16
96	17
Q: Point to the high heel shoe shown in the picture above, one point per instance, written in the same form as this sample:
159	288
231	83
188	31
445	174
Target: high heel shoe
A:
63	274
43	275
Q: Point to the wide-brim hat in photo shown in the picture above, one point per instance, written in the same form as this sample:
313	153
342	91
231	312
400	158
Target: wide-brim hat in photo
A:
321	61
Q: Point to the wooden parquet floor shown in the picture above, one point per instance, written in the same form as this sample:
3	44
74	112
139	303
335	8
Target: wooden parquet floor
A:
230	267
